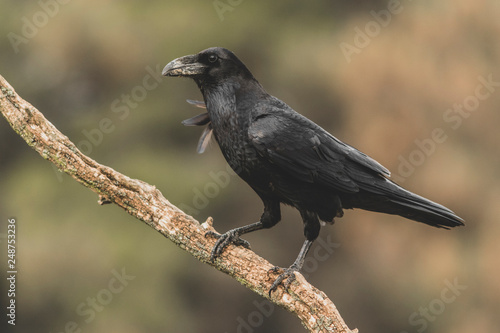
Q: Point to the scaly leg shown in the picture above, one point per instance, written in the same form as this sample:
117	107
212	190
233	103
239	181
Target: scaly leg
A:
269	218
289	273
231	237
311	232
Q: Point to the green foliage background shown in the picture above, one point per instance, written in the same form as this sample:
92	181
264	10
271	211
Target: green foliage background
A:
82	62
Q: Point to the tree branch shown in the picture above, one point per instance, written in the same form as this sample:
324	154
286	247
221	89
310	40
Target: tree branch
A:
143	201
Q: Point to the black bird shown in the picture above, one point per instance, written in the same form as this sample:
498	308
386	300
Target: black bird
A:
286	158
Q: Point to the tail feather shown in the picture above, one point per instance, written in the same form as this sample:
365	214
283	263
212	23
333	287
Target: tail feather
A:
390	198
426	211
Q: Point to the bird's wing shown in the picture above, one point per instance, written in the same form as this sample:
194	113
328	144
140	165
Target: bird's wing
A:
309	153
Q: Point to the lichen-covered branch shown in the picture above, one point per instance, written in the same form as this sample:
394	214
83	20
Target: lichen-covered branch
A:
314	309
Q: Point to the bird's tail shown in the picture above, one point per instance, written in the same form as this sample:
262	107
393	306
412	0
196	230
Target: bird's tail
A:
393	199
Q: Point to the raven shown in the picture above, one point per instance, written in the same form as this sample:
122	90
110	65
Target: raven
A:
286	158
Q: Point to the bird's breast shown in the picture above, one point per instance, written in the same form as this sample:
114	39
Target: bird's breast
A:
229	117
235	145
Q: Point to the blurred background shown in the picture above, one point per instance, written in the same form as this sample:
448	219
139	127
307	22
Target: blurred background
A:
414	84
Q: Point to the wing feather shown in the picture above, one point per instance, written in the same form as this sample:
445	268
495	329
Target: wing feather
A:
309	153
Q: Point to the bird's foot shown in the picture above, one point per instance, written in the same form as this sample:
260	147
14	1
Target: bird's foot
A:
230	237
288	274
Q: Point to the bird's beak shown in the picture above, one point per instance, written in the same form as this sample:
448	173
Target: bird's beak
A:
184	66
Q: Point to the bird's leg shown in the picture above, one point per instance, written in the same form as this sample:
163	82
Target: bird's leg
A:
269	218
289	273
232	237
311	232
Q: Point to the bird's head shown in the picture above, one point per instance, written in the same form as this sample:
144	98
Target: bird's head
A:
210	66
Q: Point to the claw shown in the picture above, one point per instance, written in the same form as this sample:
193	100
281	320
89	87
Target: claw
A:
212	234
275	270
288	274
223	241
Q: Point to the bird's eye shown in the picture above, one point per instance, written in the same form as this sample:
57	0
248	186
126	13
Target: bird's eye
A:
212	58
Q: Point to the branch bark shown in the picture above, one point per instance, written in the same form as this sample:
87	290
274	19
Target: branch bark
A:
143	201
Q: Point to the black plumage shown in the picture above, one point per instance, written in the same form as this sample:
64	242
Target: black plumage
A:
286	158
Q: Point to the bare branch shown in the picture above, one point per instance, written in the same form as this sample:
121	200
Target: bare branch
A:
143	201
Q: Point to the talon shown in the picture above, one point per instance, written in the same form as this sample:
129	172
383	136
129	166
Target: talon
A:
275	269
289	281
288	274
242	242
212	234
223	241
